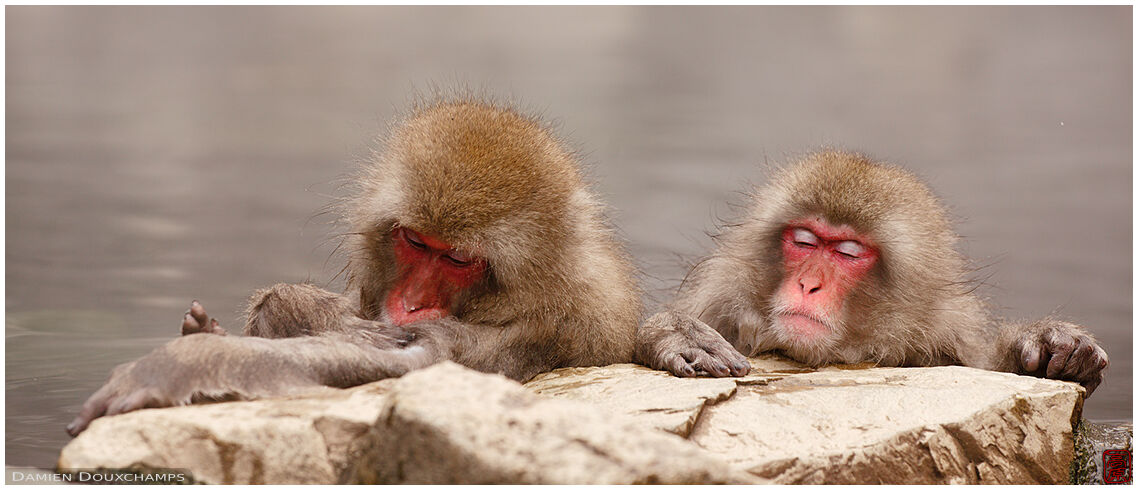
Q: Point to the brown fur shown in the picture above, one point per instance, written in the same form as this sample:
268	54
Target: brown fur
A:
491	180
915	308
485	179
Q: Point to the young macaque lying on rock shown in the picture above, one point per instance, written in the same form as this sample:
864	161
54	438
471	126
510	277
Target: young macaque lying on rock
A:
473	239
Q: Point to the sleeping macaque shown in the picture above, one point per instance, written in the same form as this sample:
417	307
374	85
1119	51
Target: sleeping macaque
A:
472	239
844	260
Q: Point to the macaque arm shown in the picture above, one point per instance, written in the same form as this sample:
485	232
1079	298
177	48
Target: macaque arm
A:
684	346
295	310
216	367
1050	348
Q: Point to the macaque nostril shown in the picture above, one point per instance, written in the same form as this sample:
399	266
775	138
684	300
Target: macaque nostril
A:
809	284
810	288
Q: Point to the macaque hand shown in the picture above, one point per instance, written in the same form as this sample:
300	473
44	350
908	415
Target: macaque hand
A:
125	391
196	320
1061	350
684	346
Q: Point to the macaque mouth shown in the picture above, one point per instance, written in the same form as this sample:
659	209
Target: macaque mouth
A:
412	314
804	324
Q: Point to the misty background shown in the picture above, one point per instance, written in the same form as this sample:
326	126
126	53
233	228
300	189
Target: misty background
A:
157	155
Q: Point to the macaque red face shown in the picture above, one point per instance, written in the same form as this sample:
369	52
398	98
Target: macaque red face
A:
432	277
822	264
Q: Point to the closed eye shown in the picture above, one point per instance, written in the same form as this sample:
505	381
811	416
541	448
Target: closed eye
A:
413	239
803	238
851	249
459	258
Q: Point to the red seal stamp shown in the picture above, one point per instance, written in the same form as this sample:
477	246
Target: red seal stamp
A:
1116	466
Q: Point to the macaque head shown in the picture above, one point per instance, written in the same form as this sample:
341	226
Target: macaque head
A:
844	251
466	204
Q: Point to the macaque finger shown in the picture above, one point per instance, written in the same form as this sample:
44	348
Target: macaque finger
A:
1061	350
189	324
740	365
1093	383
740	368
196	320
735	362
1080	363
92	409
704	361
1101	359
1031	356
1094	363
197	311
677	365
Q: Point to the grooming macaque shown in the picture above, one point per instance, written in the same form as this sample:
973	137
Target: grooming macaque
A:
843	260
472	238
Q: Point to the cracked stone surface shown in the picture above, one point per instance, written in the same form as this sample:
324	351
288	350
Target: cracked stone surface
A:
783	423
450	425
655	398
930	425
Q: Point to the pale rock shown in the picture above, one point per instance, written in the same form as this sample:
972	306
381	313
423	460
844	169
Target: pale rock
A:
852	424
783	423
291	440
448	424
654	399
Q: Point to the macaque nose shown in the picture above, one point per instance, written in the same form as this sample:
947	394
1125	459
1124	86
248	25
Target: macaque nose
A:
810	284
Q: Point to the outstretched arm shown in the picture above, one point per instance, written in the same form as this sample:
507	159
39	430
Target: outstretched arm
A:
212	367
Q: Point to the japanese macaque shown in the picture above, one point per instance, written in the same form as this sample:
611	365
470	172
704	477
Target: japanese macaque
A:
472	239
844	260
